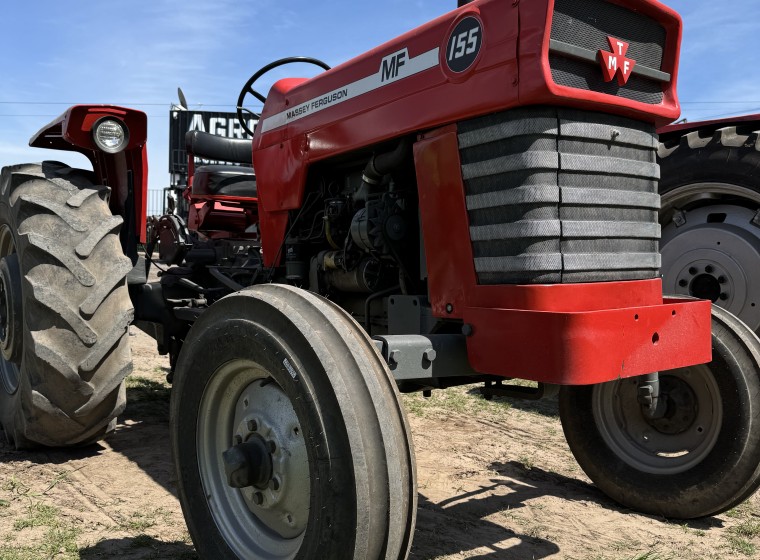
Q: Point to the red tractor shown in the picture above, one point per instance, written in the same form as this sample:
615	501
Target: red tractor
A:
471	202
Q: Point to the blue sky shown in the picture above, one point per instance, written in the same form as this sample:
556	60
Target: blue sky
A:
136	53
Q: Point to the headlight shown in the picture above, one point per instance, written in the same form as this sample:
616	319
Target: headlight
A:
110	135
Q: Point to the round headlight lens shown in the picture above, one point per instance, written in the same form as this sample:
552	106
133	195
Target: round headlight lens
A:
110	135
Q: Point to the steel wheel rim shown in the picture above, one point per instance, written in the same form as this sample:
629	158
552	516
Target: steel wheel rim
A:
694	192
639	444
9	372
711	251
221	421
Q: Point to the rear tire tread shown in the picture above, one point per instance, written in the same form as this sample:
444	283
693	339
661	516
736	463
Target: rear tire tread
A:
76	354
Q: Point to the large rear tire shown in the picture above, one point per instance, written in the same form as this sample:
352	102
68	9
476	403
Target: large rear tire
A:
702	457
288	435
64	307
710	193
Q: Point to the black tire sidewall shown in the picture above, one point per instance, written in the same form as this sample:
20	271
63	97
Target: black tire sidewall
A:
706	489
713	163
211	343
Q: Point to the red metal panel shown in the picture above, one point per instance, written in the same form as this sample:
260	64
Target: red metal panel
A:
591	347
210	215
568	297
72	131
445	227
683	128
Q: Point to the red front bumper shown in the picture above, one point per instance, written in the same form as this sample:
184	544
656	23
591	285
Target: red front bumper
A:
579	348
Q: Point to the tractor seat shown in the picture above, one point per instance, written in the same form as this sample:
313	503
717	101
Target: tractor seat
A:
227	180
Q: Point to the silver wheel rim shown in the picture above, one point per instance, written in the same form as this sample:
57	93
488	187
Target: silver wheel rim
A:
241	401
711	250
646	445
9	372
685	195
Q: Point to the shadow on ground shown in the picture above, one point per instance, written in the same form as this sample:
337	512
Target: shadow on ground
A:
548	406
143	432
458	525
136	548
142	436
549	483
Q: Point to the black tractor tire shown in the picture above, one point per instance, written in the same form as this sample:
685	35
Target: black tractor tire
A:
710	195
290	372
702	458
65	308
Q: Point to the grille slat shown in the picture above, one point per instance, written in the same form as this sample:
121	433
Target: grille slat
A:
533	194
580	262
609	197
516	162
548	262
583	213
517	230
609	166
632	230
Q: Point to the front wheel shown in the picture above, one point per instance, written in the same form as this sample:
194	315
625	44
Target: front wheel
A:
288	434
701	457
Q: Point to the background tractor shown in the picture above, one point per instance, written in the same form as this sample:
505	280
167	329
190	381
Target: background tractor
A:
471	202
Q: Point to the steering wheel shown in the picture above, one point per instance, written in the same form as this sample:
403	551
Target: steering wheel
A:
248	87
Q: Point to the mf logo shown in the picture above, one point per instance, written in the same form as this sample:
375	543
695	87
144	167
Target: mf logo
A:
615	62
391	64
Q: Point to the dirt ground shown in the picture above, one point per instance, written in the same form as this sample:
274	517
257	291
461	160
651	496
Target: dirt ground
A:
496	481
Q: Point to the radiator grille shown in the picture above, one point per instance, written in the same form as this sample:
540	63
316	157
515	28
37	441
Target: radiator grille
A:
587	24
558	195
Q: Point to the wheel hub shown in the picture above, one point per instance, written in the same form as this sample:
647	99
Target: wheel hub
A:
248	464
681	407
265	417
712	253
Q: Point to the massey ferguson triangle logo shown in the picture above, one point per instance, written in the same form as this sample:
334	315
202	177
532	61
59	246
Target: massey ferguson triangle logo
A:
615	62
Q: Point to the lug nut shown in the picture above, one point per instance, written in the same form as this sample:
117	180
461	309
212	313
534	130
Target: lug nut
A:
722	280
692	270
258	498
275	484
252	426
271	446
709	269
683	283
238	439
724	296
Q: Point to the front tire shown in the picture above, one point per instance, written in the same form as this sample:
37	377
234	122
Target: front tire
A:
64	308
701	458
292	382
